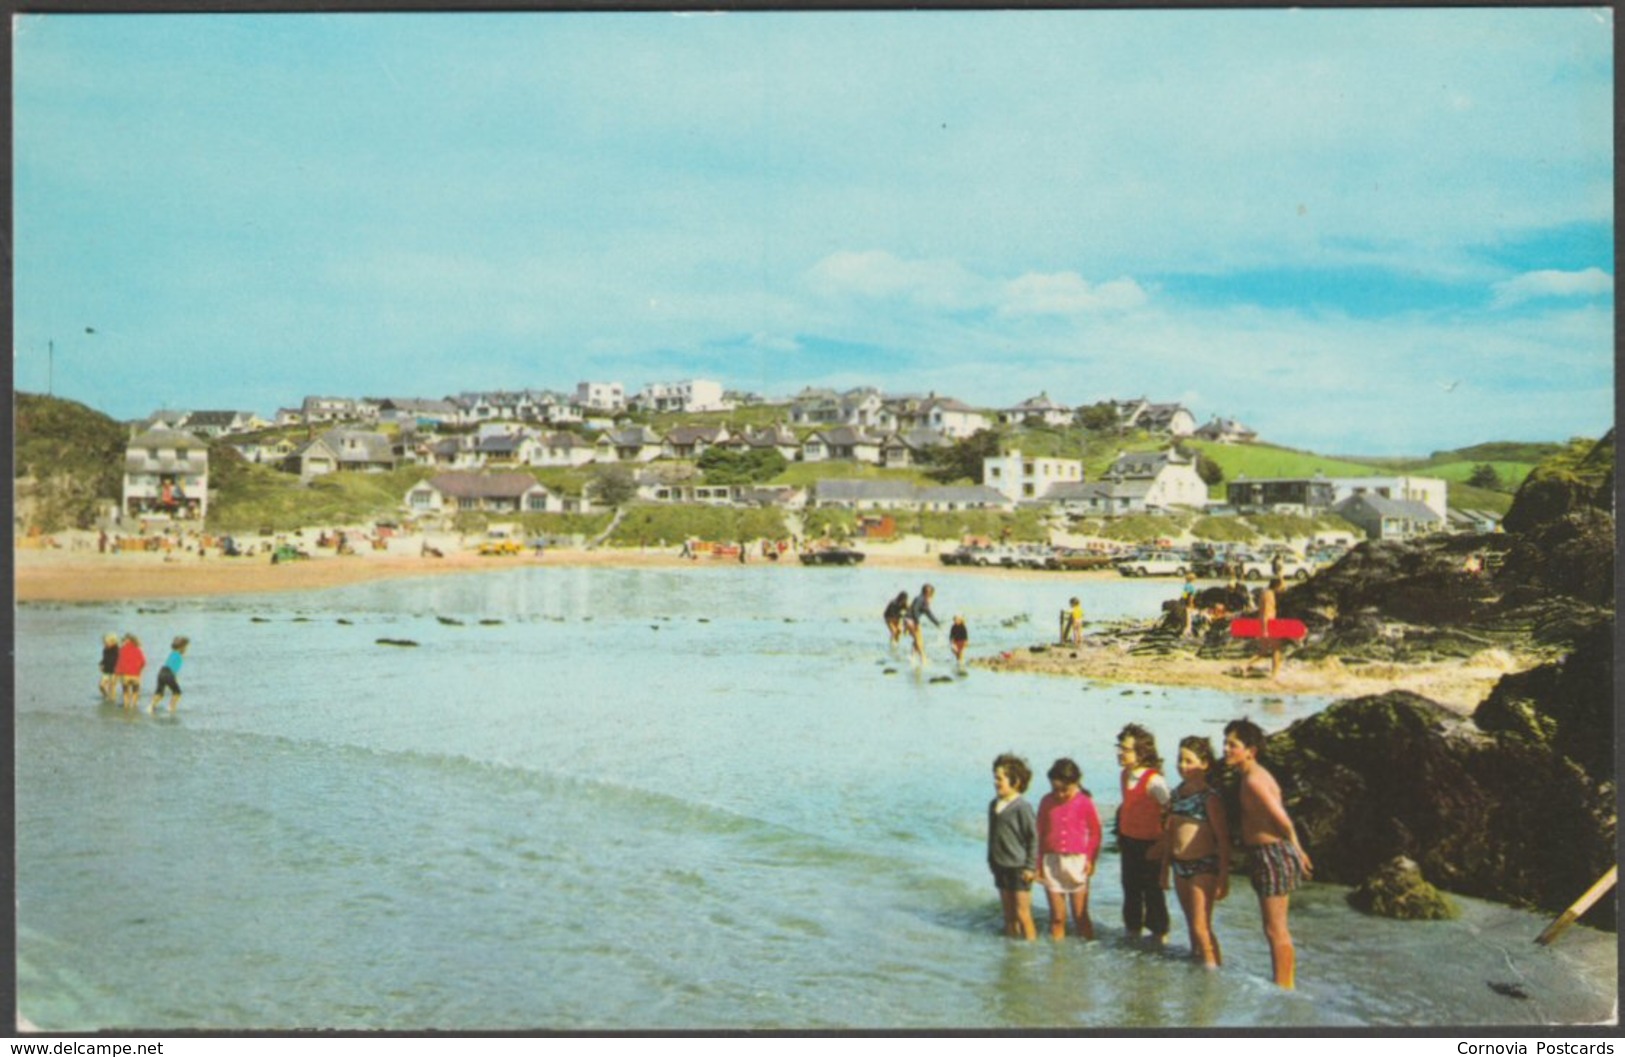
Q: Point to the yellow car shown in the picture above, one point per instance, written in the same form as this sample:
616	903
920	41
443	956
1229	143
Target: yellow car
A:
505	545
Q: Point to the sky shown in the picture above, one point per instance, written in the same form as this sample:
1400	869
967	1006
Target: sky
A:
1356	231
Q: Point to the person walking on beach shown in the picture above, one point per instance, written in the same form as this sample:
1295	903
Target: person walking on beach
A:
895	610
958	639
920	607
1196	848
1269	647
167	675
1012	844
131	662
1139	829
109	667
1279	863
1187	599
1069	841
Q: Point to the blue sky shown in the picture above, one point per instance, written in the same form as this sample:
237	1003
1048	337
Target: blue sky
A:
1359	231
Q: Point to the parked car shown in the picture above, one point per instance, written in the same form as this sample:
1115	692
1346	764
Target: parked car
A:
500	541
832	556
1156	563
1076	559
1292	568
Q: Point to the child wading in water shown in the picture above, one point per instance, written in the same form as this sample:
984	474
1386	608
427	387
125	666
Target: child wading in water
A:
167	674
895	609
131	662
1012	844
109	681
1279	861
1068	844
958	639
1197	848
1139	829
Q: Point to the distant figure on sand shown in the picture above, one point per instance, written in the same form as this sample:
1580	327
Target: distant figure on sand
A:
1139	828
958	639
895	610
109	667
167	675
1012	845
1187	598
1196	848
1068	845
1279	862
1268	648
131	662
920	607
1072	627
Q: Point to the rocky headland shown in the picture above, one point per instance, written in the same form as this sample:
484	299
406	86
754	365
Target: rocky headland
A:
1509	795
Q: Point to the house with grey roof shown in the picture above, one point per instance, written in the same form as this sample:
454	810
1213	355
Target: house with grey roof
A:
487	493
1226	431
863	408
563	449
342	449
690	442
1389	519
949	417
1140	413
629	444
905	495
218	423
910	447
166	475
841	442
1105	498
1037	410
1170	476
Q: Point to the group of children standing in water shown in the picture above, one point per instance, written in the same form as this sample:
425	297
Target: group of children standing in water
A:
122	664
1179	837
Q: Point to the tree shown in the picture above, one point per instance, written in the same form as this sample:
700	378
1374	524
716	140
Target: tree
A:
1100	417
750	467
613	485
1484	476
1210	472
962	459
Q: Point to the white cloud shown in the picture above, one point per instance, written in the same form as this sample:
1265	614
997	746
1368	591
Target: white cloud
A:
1532	286
1067	293
878	275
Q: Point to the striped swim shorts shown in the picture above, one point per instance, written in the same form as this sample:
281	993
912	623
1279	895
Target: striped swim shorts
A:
1277	868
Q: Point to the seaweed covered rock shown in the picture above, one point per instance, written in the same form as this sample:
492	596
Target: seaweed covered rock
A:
1566	707
1397	889
1493	816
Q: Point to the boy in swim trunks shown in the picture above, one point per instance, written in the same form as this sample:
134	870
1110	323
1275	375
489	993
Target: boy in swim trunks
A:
1012	845
1279	862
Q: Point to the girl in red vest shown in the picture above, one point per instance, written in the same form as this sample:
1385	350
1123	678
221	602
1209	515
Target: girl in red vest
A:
1139	832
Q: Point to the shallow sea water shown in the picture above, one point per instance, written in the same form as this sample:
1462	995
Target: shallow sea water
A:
600	799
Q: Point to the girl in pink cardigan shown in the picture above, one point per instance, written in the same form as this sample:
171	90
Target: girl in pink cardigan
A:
1068	844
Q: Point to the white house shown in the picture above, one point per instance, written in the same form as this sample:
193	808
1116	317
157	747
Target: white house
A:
1226	431
1019	476
563	449
166	474
317	409
950	417
692	396
861	408
1170	477
601	396
632	444
1172	419
1431	492
492	493
1038	410
342	449
1382	518
841	442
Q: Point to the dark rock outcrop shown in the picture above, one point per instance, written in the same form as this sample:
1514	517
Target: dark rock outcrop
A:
1494	815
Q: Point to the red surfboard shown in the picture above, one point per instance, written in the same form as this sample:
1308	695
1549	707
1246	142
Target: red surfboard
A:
1253	628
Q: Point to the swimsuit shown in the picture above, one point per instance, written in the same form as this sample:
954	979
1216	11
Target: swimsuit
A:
1277	868
1193	807
1185	869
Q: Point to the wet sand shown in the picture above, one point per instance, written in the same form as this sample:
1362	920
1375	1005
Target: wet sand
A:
1459	686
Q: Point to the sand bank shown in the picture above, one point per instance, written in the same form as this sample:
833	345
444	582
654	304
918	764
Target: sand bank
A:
1460	686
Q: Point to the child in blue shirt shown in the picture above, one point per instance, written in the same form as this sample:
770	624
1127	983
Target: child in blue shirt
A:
167	674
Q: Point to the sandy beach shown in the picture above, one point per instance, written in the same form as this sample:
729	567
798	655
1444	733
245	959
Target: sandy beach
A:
75	572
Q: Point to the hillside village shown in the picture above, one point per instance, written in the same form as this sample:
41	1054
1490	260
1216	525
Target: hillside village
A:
483	449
